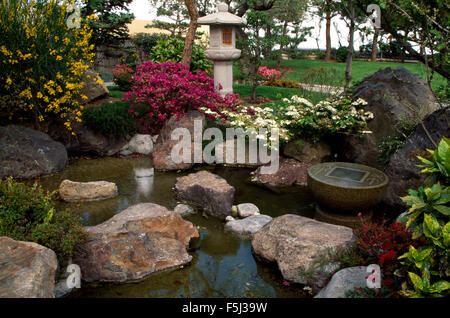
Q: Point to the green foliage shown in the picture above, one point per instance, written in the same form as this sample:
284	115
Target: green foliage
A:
110	119
146	42
429	217
172	50
341	54
110	27
28	214
439	166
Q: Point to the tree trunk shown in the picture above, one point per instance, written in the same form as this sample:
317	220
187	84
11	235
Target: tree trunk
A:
374	45
348	71
254	86
328	36
190	36
282	43
268	52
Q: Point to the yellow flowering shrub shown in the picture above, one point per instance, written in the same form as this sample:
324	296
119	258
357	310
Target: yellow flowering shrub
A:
42	61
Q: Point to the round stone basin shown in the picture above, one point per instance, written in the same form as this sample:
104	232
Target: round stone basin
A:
347	187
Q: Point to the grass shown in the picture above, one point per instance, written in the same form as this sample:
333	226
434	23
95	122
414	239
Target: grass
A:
304	71
278	93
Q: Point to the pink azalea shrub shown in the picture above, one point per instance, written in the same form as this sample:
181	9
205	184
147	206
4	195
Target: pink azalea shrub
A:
268	74
162	90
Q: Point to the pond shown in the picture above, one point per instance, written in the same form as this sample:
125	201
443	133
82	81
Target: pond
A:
223	266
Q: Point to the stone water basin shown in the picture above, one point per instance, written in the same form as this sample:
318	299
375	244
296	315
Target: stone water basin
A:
346	187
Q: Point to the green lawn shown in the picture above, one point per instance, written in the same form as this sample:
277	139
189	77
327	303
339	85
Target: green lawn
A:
319	72
277	93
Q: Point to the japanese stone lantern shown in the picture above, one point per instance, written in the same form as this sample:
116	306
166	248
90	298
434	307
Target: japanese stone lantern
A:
222	48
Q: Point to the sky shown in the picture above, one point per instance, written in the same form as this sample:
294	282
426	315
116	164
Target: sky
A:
142	10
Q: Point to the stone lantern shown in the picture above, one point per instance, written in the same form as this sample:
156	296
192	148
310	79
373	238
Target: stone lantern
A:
222	48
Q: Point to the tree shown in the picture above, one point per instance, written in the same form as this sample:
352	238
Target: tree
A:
424	22
110	28
351	14
326	9
174	10
254	44
190	36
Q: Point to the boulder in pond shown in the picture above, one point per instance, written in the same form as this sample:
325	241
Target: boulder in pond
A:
208	191
402	169
347	279
27	153
393	96
297	244
27	270
139	144
249	226
194	122
71	191
141	240
247	209
86	141
291	172
184	210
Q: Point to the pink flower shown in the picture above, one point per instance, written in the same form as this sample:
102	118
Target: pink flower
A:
286	283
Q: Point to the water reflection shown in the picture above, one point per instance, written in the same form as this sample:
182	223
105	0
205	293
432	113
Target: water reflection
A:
223	266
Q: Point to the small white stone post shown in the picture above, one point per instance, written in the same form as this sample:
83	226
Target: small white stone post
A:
222	48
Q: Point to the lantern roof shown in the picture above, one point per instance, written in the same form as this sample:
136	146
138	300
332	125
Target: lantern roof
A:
222	17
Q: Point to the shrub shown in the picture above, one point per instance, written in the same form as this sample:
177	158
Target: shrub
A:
297	117
43	61
172	50
429	218
341	54
123	76
28	214
110	119
167	89
146	42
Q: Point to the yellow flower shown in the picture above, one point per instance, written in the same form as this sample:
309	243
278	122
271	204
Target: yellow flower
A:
39	95
8	81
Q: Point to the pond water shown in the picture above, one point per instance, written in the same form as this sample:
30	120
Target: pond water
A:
223	266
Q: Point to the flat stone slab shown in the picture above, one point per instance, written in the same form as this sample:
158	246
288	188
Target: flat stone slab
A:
141	240
71	191
344	280
207	190
249	226
27	270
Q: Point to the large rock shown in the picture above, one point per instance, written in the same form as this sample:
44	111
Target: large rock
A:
347	279
92	89
232	160
143	239
306	151
402	170
298	244
291	172
249	226
86	141
27	153
208	191
162	158
27	270
392	96
71	191
139	144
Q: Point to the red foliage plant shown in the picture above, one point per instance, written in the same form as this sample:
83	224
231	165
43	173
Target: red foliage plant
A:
162	90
